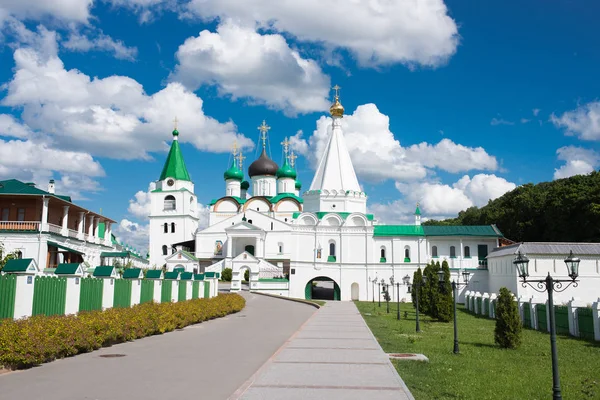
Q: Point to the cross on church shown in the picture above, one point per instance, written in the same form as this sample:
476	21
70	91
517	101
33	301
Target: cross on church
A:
292	158
241	159
234	149
337	91
175	121
264	128
286	146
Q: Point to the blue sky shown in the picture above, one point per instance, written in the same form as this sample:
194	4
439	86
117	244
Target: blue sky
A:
448	103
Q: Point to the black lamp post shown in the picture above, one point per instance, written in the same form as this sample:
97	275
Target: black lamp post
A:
550	285
373	282
455	286
379	289
417	287
406	281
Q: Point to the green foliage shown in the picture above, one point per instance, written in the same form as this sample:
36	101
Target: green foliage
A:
4	256
436	300
565	210
417	279
445	306
40	339
508	329
247	275
227	274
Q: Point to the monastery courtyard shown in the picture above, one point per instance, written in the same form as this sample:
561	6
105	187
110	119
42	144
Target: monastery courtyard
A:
272	349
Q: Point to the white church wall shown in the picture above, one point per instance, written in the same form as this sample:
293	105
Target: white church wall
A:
226	206
286	206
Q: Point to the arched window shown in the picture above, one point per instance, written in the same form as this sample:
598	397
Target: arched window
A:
332	257
383	252
249	221
172	227
467	252
434	251
164	249
407	254
170	203
452	252
166	227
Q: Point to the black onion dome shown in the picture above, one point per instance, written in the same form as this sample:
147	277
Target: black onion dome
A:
263	166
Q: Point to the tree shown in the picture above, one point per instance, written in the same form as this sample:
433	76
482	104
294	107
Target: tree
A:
417	280
5	256
508	322
226	275
444	301
425	292
247	275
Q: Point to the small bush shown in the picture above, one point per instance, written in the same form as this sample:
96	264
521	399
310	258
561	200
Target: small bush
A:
247	275
226	275
508	323
28	342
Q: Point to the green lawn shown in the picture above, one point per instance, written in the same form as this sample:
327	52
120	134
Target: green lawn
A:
482	370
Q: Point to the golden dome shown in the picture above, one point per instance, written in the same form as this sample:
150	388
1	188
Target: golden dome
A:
336	109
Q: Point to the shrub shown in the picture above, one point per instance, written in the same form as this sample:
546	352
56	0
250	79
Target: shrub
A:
417	280
226	275
508	323
444	299
35	340
247	275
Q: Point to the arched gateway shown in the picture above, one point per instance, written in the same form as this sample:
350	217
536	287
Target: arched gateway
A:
322	292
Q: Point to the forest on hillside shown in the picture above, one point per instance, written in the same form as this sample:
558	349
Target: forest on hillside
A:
564	210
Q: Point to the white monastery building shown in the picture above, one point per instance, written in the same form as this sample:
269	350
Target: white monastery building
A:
287	239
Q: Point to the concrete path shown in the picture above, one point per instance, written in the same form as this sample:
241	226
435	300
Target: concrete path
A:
204	361
333	356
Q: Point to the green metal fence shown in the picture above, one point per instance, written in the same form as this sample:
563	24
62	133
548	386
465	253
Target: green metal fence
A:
486	307
585	319
90	297
122	293
8	291
195	289
206	289
561	314
542	319
526	315
49	295
165	292
182	291
147	294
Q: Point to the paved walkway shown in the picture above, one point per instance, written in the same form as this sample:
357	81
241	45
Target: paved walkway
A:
333	356
204	361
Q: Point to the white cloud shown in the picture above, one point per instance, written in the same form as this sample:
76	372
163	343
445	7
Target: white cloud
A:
583	122
146	9
440	201
377	155
535	112
9	126
111	117
61	10
578	161
132	234
525	120
139	206
375	32
102	42
243	63
499	121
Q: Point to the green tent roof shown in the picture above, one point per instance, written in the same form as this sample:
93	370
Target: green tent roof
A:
154	274
175	166
17	265
60	246
418	210
398	230
67	269
103	271
133	273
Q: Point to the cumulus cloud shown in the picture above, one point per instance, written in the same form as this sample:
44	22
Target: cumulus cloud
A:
377	155
583	122
101	42
9	126
60	10
245	64
440	201
110	117
578	161
376	33
132	234
499	121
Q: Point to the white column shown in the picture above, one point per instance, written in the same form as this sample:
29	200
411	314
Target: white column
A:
107	233
44	224
80	225
90	228
95	221
229	246
65	221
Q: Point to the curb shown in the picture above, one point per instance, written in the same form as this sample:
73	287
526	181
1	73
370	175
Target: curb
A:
310	303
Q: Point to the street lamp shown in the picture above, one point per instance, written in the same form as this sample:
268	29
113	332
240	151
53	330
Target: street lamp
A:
379	288
373	281
455	286
550	285
417	286
388	297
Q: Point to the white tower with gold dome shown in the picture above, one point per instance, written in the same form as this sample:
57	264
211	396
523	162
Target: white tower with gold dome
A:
335	187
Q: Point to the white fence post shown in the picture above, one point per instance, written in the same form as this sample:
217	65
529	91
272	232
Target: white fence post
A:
108	293
492	311
596	317
136	291
24	296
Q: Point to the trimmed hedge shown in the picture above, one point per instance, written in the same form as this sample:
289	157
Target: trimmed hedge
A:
28	342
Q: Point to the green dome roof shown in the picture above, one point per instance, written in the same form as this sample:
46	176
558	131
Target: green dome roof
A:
234	173
286	171
298	185
245	185
175	132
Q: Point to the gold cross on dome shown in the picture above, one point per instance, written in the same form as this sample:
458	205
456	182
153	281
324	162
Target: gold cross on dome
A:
241	159
175	121
286	146
264	128
337	90
234	148
292	158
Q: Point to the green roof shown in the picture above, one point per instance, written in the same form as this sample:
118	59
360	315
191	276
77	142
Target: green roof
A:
60	246
172	275
132	273
462	230
186	276
17	265
175	166
180	269
153	274
234	172
282	196
418	210
321	214
245	185
13	186
67	269
398	230
123	254
198	277
298	184
190	255
286	171
103	271
210	274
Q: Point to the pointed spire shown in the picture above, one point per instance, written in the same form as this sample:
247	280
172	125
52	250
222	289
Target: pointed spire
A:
174	165
418	210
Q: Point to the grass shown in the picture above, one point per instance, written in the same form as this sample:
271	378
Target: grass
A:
482	370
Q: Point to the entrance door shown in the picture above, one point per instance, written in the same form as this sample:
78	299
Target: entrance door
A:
249	249
482	252
354	291
322	288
